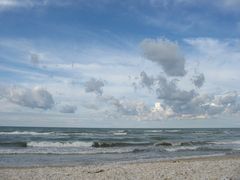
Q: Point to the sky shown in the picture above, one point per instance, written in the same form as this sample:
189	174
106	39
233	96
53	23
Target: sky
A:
109	63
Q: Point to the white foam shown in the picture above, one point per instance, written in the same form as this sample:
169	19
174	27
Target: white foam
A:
153	131
120	133
172	130
226	142
24	133
181	148
59	144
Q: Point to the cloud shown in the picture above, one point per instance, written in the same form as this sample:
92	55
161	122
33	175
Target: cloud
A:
180	103
68	109
220	4
8	2
218	59
158	112
124	107
165	53
36	97
227	99
91	106
146	81
227	49
94	85
31	3
192	104
228	5
34	59
168	90
198	80
136	109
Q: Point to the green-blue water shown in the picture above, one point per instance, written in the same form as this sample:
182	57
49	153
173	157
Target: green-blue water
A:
27	146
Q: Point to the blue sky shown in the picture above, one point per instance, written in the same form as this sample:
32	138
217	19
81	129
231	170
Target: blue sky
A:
109	63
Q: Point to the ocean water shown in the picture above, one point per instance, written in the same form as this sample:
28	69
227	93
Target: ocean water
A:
28	146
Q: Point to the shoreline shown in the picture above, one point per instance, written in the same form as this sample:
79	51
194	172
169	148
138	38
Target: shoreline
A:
227	167
122	162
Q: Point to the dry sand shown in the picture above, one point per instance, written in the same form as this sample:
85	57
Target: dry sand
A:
195	168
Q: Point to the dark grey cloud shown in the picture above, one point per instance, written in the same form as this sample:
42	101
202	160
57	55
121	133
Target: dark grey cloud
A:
34	98
95	86
68	109
198	80
165	53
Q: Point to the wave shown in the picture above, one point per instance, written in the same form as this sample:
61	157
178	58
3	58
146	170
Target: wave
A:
68	152
120	133
214	149
182	148
163	144
118	144
187	143
59	144
173	131
45	133
153	131
190	143
74	133
13	144
225	142
25	133
197	148
50	144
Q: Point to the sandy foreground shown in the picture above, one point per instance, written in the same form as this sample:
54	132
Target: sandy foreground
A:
195	168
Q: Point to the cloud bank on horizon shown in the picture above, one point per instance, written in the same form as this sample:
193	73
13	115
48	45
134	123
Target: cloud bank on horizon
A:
108	63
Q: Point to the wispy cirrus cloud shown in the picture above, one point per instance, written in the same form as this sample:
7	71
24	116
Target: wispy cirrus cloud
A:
30	3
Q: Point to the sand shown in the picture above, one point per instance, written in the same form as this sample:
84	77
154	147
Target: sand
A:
194	168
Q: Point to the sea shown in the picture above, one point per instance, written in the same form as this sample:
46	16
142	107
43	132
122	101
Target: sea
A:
41	146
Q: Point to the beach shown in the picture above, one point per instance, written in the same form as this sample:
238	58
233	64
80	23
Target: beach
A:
100	153
225	167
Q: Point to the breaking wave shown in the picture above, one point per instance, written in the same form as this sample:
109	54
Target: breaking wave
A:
226	142
25	133
118	144
182	148
59	144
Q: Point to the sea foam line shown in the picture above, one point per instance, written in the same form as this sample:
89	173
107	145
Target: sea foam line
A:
226	142
59	144
182	148
25	133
